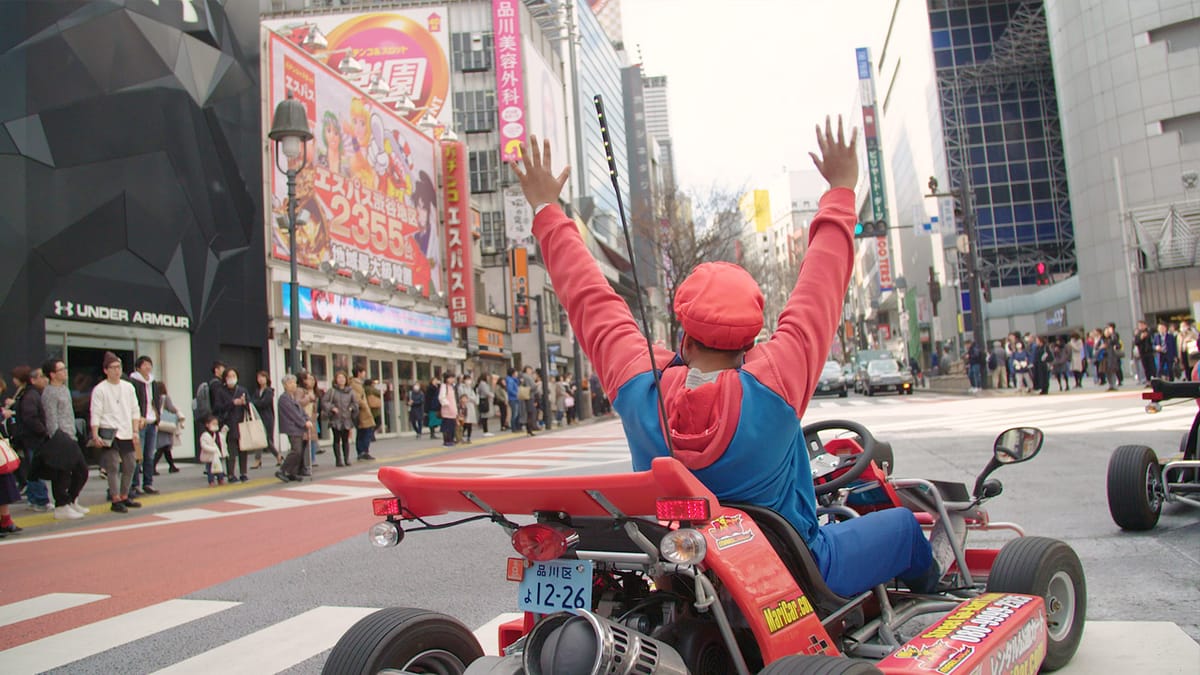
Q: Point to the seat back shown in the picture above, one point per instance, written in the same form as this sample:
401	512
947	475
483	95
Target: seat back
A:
793	551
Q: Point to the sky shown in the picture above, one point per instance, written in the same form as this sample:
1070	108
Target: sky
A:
748	79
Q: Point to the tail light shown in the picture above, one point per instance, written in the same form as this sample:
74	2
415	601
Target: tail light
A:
386	506
681	508
544	541
684	546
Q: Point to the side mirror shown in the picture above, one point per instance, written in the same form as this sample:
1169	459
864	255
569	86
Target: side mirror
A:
1017	445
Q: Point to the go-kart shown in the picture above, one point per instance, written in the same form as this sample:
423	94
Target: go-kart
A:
648	572
1139	483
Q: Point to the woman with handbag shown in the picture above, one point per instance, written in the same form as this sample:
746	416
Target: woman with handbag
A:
264	403
308	395
229	406
487	407
9	492
1023	367
468	404
342	405
375	403
170	426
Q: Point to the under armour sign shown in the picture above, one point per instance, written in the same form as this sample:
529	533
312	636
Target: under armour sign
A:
79	310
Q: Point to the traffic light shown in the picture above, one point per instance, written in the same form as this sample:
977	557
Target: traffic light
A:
521	313
869	229
1043	274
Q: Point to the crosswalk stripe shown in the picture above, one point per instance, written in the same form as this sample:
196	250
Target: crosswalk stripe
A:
79	643
24	610
513	461
361	477
464	470
184	515
276	647
269	502
489	633
340	490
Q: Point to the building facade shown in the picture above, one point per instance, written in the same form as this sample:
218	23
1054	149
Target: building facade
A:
132	167
1129	94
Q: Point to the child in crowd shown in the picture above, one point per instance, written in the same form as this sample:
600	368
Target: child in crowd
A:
213	451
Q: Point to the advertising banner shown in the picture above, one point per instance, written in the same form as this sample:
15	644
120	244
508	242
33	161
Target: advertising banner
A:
866	83
407	49
518	217
366	199
460	277
341	310
510	89
545	103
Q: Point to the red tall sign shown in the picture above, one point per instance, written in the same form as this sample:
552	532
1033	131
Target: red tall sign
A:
459	272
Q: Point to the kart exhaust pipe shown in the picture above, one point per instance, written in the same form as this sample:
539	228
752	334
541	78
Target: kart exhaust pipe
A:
582	643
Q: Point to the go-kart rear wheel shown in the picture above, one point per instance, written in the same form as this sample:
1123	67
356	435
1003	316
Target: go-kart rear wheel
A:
819	665
406	639
1049	569
1135	487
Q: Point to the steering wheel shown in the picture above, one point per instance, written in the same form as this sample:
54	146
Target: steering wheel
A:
861	462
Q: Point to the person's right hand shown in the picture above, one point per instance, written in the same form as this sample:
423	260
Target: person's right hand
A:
839	161
538	183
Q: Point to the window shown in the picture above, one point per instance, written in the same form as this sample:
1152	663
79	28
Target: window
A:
491	232
475	111
483	171
472	52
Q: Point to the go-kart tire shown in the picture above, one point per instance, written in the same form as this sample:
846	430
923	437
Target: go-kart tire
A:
1049	569
1134	487
403	638
819	665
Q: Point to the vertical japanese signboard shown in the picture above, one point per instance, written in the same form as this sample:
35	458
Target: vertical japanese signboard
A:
866	84
460	277
510	91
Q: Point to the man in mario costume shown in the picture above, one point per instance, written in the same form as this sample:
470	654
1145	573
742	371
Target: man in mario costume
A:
733	408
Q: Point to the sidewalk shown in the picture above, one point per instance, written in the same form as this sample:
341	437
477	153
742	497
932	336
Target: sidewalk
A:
958	385
190	485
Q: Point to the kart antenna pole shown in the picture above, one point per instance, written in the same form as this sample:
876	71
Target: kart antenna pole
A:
637	284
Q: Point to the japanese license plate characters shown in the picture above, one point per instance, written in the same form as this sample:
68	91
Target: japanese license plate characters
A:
555	586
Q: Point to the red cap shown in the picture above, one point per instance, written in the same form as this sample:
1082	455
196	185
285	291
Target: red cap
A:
720	305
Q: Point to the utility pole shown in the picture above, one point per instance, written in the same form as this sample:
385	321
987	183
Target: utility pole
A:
965	198
537	299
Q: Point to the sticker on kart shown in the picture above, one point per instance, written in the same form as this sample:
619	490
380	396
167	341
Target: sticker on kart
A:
729	531
994	633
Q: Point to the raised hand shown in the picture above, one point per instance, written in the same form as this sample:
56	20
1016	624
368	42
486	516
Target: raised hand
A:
539	184
838	162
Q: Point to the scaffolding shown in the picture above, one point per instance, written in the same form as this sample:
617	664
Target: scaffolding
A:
1019	62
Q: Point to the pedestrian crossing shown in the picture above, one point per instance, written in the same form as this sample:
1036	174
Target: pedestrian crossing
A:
611	455
297	642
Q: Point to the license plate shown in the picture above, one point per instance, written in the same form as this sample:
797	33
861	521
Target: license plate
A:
556	586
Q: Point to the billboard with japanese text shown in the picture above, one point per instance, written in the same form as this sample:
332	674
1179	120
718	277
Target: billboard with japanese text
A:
510	87
406	49
460	275
367	196
545	103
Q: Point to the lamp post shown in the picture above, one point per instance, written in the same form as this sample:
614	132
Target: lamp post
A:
290	132
964	194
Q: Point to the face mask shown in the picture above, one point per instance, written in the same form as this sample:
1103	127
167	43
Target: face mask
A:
232	382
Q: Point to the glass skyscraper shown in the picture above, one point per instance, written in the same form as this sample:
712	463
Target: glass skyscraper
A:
1001	125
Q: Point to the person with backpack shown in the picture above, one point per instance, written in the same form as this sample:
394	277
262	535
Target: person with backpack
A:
202	404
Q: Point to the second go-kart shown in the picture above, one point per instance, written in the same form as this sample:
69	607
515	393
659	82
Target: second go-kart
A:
1139	483
648	573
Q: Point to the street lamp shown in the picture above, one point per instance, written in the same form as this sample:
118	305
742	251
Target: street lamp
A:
289	130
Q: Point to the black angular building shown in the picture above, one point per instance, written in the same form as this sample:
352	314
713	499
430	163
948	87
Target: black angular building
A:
131	187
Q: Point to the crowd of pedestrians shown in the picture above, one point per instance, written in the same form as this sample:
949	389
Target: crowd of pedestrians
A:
1029	363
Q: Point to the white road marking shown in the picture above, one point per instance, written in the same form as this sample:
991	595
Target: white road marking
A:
463	470
184	515
269	502
1158	647
79	643
24	610
276	647
489	633
372	477
340	490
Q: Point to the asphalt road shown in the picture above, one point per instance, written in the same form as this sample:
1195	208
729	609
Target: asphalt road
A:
266	578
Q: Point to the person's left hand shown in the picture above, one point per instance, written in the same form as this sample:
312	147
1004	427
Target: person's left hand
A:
538	183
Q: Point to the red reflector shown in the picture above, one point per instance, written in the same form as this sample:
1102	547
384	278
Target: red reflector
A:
684	508
1152	396
516	569
543	541
386	506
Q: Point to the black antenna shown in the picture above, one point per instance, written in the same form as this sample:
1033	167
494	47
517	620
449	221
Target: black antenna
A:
637	284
